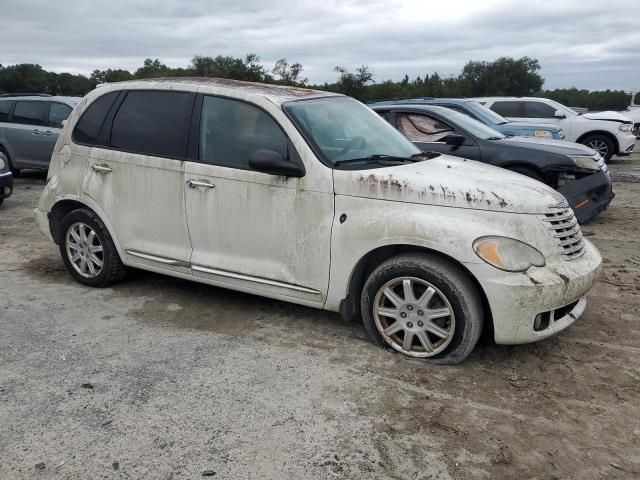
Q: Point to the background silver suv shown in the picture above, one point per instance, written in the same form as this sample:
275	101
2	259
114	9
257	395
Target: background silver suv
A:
29	128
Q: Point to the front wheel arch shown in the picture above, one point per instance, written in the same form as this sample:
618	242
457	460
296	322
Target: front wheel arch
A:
603	133
350	305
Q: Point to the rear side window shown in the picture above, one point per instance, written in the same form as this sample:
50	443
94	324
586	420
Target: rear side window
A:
58	112
5	108
538	110
508	109
422	128
231	131
153	123
88	128
30	113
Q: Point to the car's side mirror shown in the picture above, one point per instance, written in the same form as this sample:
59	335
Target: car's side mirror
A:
273	163
63	123
454	139
559	114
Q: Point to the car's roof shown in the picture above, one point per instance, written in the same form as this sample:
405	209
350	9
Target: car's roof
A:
419	101
276	93
413	106
44	98
506	98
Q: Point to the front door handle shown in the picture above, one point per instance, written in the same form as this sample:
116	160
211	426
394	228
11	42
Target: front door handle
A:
47	133
197	183
36	132
102	168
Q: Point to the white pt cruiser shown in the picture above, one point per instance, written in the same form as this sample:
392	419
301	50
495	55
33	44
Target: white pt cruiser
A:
312	198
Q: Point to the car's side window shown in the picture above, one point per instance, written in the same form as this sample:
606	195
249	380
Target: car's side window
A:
5	108
538	110
510	108
29	112
58	112
88	127
422	128
153	123
231	131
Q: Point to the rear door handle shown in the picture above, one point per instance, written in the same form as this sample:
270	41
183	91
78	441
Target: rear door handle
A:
196	183
36	132
47	133
102	168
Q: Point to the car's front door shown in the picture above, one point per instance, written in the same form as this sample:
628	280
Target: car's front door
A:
137	179
430	134
56	113
537	111
28	135
258	232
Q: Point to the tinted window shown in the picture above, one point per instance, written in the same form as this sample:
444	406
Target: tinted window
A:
422	128
508	109
5	107
538	110
58	113
153	123
30	113
231	131
88	127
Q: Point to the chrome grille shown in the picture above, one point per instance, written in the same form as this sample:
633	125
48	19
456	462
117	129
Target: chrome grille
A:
566	232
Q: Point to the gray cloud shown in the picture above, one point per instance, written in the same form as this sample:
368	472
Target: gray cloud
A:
586	44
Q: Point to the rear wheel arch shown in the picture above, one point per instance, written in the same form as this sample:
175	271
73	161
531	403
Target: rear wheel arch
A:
350	306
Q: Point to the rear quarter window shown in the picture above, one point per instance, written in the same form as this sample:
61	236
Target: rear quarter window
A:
5	108
88	127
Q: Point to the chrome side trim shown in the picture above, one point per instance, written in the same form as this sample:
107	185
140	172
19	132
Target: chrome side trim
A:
248	278
163	260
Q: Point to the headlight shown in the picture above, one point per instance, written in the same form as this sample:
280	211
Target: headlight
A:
625	127
586	163
3	164
508	254
543	134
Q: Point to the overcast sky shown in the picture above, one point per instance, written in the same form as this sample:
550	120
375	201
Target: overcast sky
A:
588	44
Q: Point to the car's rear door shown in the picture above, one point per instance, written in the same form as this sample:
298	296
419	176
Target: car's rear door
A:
28	135
137	176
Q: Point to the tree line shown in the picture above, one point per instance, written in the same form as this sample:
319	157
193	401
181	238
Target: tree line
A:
504	76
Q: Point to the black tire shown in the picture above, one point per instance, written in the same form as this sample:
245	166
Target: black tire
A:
527	172
15	171
112	270
451	281
593	141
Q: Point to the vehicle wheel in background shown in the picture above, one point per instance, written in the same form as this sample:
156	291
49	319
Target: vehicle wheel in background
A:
5	156
528	172
601	144
88	250
422	307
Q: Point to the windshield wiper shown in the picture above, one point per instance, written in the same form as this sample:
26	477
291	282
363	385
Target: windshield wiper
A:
381	158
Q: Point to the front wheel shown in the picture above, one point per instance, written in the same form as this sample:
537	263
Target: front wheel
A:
422	307
88	250
601	144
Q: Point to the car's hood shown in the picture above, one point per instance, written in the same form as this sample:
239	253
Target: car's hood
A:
450	182
529	126
609	116
559	147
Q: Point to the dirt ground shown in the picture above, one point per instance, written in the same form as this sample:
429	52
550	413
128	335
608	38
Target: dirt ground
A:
166	379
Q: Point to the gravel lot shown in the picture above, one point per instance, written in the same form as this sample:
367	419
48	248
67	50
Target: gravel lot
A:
165	379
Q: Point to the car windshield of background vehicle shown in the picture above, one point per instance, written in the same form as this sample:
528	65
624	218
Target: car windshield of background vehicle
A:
487	114
344	129
471	125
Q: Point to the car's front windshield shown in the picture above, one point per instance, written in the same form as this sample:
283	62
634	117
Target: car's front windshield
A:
343	129
486	114
471	125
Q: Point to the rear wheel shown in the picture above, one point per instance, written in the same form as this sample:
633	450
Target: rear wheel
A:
88	250
5	156
601	144
422	307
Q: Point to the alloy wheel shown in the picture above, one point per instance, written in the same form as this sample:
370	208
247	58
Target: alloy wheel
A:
599	146
84	250
414	317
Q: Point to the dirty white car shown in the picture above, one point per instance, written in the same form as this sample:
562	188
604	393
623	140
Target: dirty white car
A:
312	198
633	111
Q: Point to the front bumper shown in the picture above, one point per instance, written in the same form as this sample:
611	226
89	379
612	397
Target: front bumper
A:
6	185
627	143
555	292
588	196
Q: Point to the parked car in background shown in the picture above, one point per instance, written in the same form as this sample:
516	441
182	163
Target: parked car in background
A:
6	178
29	128
485	115
633	111
609	133
312	198
577	172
